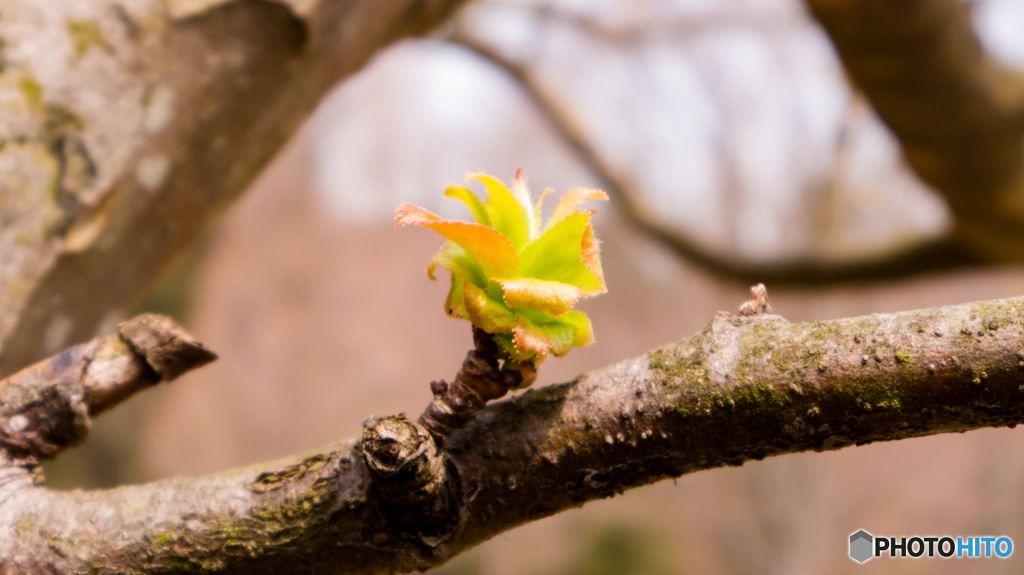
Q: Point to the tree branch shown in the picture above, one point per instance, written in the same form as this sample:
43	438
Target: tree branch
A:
131	126
46	408
479	381
958	113
942	254
746	387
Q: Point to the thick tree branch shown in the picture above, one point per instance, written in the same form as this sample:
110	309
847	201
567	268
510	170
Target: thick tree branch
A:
746	387
942	254
130	126
958	113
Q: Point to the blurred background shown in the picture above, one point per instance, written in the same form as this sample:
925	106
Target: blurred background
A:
724	131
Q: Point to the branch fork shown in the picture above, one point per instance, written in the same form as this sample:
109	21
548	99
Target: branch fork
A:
407	459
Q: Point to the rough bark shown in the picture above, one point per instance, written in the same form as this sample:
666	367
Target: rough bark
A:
128	125
746	387
958	113
479	381
47	407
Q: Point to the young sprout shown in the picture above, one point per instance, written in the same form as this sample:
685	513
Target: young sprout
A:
511	276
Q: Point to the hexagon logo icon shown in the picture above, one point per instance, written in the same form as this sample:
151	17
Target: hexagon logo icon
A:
860	546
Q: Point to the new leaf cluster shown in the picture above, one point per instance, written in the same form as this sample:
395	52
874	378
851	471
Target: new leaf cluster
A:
514	277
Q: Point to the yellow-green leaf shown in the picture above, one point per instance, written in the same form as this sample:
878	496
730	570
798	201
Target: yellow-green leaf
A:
529	339
557	255
552	297
583	331
590	252
507	215
572	326
554	337
537	211
487	314
472	202
571	202
508	346
522	195
456	260
489	248
454	305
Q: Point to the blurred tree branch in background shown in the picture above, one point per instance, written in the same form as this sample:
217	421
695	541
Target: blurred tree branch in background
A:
931	256
958	113
118	157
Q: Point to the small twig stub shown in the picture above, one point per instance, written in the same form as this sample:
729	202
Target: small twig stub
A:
759	304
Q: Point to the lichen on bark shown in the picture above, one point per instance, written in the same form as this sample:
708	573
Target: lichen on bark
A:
129	127
744	388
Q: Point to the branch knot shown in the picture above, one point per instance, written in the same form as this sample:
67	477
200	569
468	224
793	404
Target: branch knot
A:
411	473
